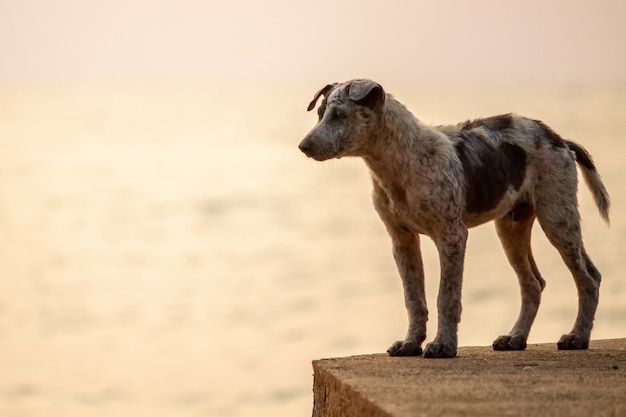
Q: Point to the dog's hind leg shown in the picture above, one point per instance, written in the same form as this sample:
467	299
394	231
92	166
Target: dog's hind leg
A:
514	231
558	216
587	285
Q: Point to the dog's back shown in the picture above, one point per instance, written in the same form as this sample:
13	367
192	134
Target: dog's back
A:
499	152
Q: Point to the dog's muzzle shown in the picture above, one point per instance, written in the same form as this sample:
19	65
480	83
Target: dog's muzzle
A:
310	148
317	148
305	146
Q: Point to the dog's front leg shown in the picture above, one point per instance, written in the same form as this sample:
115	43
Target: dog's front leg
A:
451	248
408	257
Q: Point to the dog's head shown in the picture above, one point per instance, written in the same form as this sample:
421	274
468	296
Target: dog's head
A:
348	117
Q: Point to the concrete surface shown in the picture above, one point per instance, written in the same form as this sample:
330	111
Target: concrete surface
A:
540	381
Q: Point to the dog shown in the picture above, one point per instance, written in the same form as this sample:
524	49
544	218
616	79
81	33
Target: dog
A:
438	181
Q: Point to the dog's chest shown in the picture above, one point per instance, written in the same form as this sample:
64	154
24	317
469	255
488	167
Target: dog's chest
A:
411	209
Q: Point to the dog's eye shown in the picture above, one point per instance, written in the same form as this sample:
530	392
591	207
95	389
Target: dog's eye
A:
338	114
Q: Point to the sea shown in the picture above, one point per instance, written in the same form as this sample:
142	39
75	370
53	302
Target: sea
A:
166	249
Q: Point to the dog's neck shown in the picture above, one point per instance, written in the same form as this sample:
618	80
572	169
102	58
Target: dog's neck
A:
404	144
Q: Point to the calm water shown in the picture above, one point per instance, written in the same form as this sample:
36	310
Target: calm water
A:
167	251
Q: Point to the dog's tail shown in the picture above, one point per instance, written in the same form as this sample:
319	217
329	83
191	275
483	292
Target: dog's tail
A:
592	178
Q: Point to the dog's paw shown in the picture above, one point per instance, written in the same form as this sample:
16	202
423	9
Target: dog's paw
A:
515	342
572	341
401	348
440	350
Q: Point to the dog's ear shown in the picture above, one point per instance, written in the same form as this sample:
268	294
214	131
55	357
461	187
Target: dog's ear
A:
322	92
367	93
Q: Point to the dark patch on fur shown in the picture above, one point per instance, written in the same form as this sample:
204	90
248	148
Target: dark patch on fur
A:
398	194
515	157
522	212
496	123
490	167
547	133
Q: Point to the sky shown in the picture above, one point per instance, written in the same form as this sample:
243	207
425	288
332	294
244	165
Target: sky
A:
65	40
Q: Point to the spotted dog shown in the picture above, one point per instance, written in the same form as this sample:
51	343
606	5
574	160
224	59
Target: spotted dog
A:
439	181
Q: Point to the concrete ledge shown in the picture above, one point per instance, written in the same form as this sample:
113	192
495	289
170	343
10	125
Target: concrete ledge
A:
540	381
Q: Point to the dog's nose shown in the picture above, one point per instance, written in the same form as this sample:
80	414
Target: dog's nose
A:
305	146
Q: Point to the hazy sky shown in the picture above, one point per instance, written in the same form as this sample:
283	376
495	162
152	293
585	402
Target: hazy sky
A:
293	40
